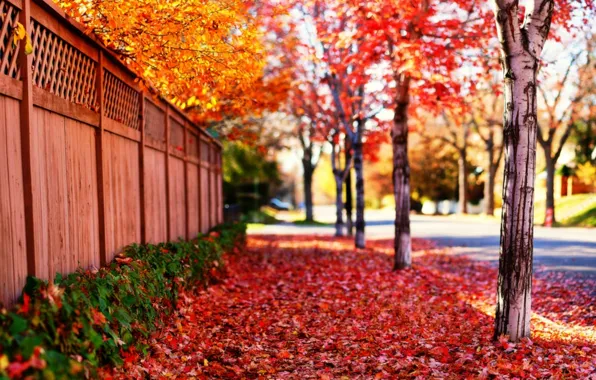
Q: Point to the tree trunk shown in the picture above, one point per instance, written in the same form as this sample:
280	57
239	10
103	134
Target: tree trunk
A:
521	47
359	169
339	205
308	174
489	186
550	185
463	181
401	177
349	197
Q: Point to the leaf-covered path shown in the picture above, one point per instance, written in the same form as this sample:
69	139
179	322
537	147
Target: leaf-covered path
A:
312	307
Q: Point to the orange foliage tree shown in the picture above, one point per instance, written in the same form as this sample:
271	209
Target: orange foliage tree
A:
206	56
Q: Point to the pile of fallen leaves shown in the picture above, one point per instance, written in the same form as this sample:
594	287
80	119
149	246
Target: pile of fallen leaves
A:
313	307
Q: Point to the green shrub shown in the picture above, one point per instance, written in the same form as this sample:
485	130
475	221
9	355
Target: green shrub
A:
66	329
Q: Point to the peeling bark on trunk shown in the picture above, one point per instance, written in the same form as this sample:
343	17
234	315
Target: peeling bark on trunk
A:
401	177
463	181
359	169
521	47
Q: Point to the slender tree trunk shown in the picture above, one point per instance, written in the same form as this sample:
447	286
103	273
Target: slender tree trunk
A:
520	48
359	169
349	197
401	177
339	205
550	185
308	174
489	185
463	181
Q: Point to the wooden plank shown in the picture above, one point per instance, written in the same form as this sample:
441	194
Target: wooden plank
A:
124	205
11	87
7	283
204	194
121	129
53	253
14	181
177	199
81	171
192	188
56	104
155	194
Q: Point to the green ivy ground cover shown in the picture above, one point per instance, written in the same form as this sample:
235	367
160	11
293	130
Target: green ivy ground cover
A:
68	328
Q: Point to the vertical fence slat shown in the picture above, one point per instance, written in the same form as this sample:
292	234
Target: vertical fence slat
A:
26	108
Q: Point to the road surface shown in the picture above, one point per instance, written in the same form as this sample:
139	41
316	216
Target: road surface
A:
570	250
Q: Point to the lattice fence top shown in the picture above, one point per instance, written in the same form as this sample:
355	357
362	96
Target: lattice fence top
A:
121	101
155	122
9	15
204	151
192	147
62	69
176	135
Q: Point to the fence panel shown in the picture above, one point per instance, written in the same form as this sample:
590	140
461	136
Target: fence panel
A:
122	201
13	244
65	191
88	164
192	189
177	199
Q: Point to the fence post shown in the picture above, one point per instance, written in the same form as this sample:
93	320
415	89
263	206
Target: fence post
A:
209	179
200	154
186	192
220	186
26	114
142	168
167	126
99	154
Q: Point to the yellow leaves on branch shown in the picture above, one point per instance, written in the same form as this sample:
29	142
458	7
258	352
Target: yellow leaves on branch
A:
196	52
19	33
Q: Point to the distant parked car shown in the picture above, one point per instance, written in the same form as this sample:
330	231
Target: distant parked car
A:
280	205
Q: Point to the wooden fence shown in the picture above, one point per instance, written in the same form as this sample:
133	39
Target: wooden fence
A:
88	162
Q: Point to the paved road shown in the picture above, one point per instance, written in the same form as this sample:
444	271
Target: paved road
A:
571	250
